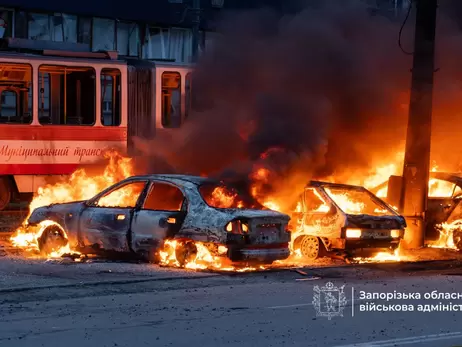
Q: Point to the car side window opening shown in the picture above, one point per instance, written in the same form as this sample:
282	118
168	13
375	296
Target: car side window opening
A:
441	189
15	93
124	197
171	99
67	95
164	197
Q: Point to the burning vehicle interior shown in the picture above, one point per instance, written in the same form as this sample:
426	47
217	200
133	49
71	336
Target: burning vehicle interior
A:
171	219
444	211
343	218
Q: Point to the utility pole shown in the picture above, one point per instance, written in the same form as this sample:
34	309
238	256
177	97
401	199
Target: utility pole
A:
417	156
196	21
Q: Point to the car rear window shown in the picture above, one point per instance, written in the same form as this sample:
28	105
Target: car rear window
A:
218	195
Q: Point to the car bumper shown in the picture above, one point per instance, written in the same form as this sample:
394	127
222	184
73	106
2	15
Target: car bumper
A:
370	238
371	243
263	255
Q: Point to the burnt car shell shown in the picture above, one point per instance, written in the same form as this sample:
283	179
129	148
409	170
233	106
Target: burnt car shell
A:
251	234
136	229
440	209
342	229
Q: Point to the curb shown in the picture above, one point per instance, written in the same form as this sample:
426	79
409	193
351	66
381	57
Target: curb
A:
99	283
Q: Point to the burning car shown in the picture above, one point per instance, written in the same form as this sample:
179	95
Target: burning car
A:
444	208
140	214
342	218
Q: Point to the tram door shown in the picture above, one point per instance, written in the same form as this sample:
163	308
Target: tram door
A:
141	122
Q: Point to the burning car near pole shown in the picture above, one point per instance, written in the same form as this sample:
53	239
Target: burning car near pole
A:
332	217
145	215
444	208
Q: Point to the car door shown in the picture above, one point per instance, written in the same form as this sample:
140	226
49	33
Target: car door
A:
105	222
158	217
320	217
440	205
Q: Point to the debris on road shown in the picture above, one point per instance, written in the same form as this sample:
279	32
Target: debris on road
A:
301	272
311	278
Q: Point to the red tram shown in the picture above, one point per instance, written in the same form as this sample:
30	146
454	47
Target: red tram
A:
60	110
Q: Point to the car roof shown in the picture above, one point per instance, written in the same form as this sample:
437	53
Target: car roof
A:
197	180
333	185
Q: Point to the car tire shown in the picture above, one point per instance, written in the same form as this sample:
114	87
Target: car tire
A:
311	247
5	192
185	252
52	240
457	239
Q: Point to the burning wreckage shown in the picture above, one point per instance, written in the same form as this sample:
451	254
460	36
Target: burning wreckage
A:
444	207
172	219
343	218
200	223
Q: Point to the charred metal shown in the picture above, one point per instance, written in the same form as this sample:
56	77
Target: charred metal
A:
336	217
156	208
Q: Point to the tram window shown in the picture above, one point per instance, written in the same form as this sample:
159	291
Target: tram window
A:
171	99
110	97
66	95
16	93
187	95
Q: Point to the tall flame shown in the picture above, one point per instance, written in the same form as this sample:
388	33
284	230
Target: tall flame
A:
80	186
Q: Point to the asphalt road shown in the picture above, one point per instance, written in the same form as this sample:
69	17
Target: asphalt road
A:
119	304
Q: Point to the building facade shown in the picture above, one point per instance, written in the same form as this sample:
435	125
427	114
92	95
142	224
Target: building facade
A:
162	31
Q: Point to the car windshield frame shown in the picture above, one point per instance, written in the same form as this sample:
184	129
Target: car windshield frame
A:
379	203
237	196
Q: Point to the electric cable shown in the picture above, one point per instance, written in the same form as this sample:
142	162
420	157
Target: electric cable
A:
402	27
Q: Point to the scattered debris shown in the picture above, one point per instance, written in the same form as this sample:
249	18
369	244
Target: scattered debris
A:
311	278
301	272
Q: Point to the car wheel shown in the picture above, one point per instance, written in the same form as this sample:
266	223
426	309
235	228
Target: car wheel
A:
457	239
310	247
5	192
52	240
186	252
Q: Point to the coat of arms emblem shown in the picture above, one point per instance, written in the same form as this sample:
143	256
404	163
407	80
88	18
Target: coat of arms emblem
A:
329	300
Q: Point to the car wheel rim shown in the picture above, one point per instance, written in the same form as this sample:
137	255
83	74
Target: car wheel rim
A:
52	241
186	253
310	247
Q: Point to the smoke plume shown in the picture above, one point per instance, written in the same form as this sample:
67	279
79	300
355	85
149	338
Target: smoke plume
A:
320	93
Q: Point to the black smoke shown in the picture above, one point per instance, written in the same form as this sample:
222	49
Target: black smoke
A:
328	87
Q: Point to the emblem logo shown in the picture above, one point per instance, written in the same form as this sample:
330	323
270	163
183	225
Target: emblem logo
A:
329	300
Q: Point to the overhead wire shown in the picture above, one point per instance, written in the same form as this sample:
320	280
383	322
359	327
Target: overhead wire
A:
402	27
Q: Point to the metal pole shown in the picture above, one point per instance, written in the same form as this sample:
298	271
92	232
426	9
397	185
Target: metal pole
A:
196	21
417	155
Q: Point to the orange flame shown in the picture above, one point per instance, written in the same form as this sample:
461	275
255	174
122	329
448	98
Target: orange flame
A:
222	198
80	186
203	258
446	230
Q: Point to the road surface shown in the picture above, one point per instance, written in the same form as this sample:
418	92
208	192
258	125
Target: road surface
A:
117	304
